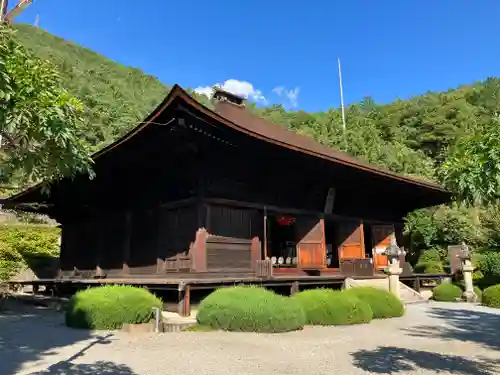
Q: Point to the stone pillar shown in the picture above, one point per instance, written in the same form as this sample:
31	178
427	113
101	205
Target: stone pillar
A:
393	253
467	269
394	270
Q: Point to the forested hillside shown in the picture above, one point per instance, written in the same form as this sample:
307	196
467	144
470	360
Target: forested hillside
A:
115	97
450	137
407	136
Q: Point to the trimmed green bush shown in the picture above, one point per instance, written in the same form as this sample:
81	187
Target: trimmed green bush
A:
430	255
488	265
329	307
491	296
383	303
429	267
110	306
446	292
250	309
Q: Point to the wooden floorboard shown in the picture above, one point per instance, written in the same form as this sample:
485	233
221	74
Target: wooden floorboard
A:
175	280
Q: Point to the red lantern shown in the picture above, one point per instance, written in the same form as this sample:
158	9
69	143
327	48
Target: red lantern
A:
285	220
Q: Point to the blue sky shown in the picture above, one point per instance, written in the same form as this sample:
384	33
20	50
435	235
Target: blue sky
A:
388	48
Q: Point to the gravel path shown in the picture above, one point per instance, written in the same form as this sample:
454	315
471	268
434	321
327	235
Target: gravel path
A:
432	338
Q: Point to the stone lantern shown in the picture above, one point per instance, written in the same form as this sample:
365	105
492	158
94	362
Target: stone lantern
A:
393	253
467	269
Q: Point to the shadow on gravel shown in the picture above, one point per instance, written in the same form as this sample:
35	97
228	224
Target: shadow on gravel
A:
97	368
480	327
28	334
389	360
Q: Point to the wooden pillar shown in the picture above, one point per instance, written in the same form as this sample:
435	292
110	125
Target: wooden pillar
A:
184	300
126	244
98	229
266	254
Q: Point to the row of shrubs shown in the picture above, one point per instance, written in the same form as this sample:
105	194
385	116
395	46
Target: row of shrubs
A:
486	262
241	308
448	292
451	292
255	309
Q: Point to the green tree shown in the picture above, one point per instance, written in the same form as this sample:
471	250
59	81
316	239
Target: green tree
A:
39	120
472	167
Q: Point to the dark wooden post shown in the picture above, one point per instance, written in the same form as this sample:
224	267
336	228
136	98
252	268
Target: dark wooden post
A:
99	248
184	300
416	284
126	245
256	252
265	233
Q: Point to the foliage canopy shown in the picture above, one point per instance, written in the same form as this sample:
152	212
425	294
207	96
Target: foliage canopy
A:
39	119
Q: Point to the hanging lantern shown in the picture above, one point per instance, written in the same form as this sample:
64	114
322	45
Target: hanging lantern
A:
285	220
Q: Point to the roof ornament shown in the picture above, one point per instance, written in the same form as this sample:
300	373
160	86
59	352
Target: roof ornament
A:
222	95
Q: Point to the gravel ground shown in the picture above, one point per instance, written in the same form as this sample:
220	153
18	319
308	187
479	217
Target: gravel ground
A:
432	338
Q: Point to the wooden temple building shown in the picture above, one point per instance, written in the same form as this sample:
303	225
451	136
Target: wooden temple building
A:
197	194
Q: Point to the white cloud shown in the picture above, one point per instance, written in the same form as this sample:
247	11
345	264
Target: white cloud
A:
242	88
207	90
278	90
291	95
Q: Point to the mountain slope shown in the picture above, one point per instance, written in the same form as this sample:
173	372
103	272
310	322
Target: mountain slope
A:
115	97
407	136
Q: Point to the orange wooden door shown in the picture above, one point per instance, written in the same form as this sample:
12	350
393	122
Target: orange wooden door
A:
381	235
351	239
311	247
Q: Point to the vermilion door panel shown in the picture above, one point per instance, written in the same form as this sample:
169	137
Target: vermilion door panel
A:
311	248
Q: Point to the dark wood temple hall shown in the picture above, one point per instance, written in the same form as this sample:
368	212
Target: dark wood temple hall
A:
193	194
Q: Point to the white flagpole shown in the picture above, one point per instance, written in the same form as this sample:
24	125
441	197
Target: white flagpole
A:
342	102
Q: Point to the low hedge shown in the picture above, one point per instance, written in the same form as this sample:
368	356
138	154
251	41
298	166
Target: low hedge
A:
429	267
31	239
328	307
110	306
25	246
383	303
430	255
491	296
250	309
446	292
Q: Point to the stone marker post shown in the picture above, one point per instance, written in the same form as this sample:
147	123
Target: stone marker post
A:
467	269
393	253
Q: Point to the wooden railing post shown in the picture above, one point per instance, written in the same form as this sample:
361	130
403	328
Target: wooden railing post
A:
160	265
256	251
184	300
198	251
